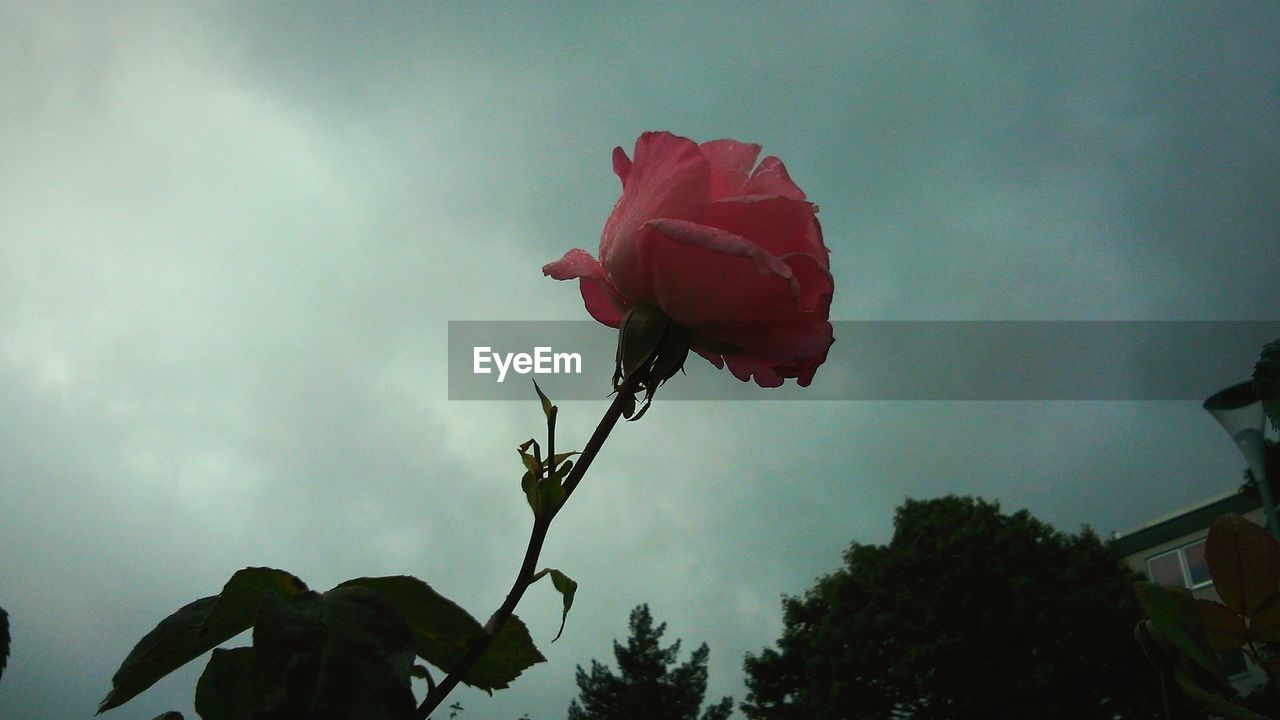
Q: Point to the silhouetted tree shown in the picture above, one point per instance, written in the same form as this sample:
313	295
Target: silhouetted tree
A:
4	639
966	613
646	686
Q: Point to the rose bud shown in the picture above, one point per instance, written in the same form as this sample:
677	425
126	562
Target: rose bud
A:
729	251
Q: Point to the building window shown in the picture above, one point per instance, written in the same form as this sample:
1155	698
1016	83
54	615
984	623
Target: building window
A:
1197	568
1180	567
1166	569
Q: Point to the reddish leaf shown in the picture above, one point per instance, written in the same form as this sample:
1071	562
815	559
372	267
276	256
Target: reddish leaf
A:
1244	561
1224	629
1265	623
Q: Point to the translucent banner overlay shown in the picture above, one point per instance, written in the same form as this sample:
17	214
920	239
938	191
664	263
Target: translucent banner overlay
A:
879	360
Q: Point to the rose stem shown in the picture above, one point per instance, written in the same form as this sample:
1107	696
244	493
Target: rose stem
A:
538	535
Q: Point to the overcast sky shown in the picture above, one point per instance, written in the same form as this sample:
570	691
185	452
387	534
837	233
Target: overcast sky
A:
232	236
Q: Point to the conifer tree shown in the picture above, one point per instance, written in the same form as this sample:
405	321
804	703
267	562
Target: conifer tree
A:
646	686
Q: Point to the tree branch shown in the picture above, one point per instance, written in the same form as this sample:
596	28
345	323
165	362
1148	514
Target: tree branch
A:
541	524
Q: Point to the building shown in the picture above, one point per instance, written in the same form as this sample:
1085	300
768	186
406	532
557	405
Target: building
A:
1170	550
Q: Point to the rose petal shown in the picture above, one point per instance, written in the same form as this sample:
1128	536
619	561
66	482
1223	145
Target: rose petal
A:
602	301
744	367
731	163
711	356
733	254
700	275
771	178
669	178
777	224
770	373
621	165
779	343
815	281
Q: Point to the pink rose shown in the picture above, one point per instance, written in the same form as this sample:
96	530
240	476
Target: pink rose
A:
731	254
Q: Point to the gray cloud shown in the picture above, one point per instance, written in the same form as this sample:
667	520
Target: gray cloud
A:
231	239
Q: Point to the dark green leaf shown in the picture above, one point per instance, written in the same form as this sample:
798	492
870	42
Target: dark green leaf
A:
231	686
171	715
1215	704
1266	381
288	639
442	631
1173	610
367	658
178	639
196	629
566	587
510	654
345	654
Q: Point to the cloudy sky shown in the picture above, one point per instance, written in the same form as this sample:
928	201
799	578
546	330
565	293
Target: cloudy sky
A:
232	236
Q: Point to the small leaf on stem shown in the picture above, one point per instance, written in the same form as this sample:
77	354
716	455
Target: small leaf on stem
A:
566	586
547	408
532	460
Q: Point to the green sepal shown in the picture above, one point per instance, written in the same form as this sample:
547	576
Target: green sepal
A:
651	349
639	338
